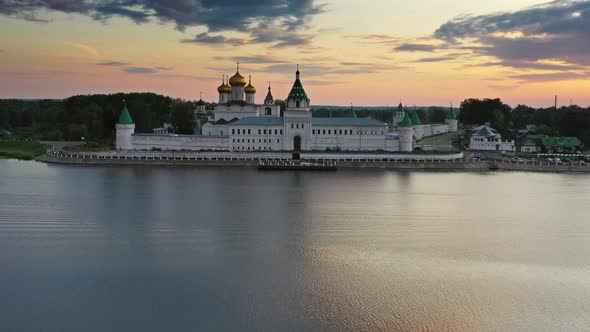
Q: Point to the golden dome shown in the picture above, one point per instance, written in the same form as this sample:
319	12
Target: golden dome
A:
250	88
238	80
224	88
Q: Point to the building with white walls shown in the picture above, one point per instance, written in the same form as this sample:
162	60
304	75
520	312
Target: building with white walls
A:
486	139
239	124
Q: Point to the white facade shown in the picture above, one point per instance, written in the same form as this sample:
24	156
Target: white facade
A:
123	136
406	139
179	142
241	126
453	125
486	140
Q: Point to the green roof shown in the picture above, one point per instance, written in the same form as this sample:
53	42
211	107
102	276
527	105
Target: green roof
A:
451	115
125	117
485	132
561	142
406	122
200	102
297	92
416	119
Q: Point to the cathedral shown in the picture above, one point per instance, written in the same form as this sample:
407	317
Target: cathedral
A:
241	125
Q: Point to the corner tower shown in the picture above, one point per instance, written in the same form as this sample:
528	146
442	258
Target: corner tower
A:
418	128
124	128
452	121
406	134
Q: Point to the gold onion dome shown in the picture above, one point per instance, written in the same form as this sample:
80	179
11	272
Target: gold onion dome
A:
250	88
237	79
224	88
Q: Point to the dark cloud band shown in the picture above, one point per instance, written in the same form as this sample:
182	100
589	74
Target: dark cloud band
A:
271	21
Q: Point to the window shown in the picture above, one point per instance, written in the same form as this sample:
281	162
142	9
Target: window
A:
313	131
222	133
259	131
324	132
268	111
340	131
281	131
297	104
249	132
329	131
233	131
302	126
278	140
264	131
292	126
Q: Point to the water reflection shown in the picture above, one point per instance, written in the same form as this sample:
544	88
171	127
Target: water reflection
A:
148	248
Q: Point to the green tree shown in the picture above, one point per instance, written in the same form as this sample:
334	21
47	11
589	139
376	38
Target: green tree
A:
480	111
182	118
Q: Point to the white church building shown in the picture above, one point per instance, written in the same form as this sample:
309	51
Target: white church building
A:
241	125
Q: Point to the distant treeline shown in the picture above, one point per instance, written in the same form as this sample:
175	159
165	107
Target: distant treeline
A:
564	121
94	116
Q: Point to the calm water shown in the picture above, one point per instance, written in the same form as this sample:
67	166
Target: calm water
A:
182	249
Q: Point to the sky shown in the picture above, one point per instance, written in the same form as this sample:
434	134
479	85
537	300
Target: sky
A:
377	52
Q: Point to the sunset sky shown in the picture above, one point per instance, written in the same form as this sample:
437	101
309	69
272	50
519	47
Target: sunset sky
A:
426	52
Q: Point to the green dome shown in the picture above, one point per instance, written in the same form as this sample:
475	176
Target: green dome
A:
125	117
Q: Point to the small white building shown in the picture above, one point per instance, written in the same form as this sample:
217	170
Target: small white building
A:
485	140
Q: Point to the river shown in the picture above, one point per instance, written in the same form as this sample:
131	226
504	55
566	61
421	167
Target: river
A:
214	249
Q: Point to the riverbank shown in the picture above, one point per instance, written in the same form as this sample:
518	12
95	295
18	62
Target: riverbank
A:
24	150
450	163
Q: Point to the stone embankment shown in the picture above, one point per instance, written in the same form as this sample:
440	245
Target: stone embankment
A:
433	162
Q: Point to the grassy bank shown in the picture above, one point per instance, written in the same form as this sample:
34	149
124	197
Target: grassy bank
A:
26	150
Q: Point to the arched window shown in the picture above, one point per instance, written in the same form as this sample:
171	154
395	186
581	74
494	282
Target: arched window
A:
297	104
268	111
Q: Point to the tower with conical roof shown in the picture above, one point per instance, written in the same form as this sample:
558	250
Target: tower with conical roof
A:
406	134
297	98
125	128
297	117
200	105
269	100
452	121
418	128
398	114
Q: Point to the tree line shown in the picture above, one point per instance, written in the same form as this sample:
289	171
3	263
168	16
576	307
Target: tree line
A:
94	116
563	121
